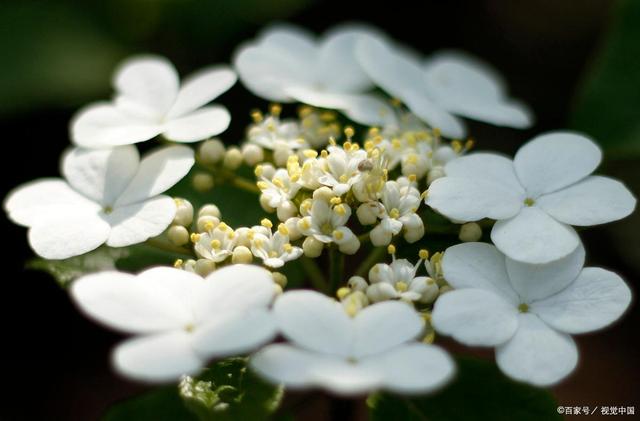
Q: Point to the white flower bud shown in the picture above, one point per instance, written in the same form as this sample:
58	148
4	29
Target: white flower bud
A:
350	246
355	302
323	193
435	173
377	272
207	222
413	231
211	151
189	265
444	154
380	237
312	247
381	291
243	237
281	155
203	182
280	279
357	283
268	171
184	212
426	287
209	209
252	154
178	235
264	202
241	254
203	267
233	158
470	232
368	213
292	226
287	210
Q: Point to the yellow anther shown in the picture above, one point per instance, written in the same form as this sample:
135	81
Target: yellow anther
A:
391	249
349	132
343	292
412	177
412	159
215	244
347	146
258	170
250	234
324	153
256	115
275	109
293	158
456	145
310	153
396	144
258	242
266	223
374	131
338	235
469	144
340	210
401	286
352	308
335	200
288	248
305	224
295	177
332	141
262	185
523	308
394	213
327	116
436	132
222	226
343	178
395	102
195	237
178	264
209	226
278	182
273	253
423	254
355	146
529	202
304	111
283	230
231	235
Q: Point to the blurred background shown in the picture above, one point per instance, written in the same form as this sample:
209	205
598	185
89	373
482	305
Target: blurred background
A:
577	64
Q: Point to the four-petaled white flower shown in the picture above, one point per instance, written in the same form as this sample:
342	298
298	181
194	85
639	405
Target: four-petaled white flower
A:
327	224
216	243
527	311
535	198
150	101
351	356
287	64
181	320
341	168
273	248
398	211
279	191
271	133
108	196
399	281
447	84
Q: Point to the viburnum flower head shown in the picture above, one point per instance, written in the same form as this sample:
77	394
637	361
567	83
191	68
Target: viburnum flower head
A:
526	311
446	85
351	356
149	101
535	197
179	318
288	64
107	196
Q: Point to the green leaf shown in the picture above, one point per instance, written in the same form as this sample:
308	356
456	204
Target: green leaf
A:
480	392
608	107
163	404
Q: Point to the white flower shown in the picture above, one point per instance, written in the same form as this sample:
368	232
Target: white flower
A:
150	101
448	84
535	198
107	196
287	64
179	318
280	190
217	242
398	211
341	170
271	133
351	356
526	311
274	248
399	281
327	224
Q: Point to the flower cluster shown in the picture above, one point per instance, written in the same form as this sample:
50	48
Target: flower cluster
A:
333	197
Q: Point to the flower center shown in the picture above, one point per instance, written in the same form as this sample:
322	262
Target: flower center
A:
523	308
401	286
327	228
107	209
529	201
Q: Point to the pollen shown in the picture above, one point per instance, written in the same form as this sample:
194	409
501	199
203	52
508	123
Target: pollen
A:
178	263
349	132
258	171
283	230
401	286
529	202
391	249
288	248
195	237
523	308
340	210
338	235
209	226
222	226
266	223
310	153
343	292
256	115
394	213
423	254
335	201
262	185
216	244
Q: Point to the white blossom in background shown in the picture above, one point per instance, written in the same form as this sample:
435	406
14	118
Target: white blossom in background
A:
351	356
274	249
107	196
270	132
398	212
526	311
326	224
149	100
448	84
536	197
288	64
398	280
180	319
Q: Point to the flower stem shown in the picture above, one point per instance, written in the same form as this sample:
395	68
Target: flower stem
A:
314	273
370	260
238	181
166	246
336	267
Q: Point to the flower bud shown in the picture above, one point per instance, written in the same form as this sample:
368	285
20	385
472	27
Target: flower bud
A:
470	232
444	154
241	254
203	182
252	154
233	158
312	247
184	212
178	235
268	171
211	151
264	202
323	193
189	265
203	267
355	302
379	236
350	246
368	213
435	173
426	287
413	231
287	210
381	291
292	227
281	154
280	279
209	209
243	237
357	283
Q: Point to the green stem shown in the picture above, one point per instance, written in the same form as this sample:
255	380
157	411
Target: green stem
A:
336	268
314	273
238	181
373	257
166	246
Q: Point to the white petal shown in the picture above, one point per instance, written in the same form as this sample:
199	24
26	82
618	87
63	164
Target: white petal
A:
151	81
594	200
198	125
157	358
478	265
158	171
136	223
535	281
133	304
202	87
68	233
412	368
100	174
315	322
234	333
434	115
344	378
102	125
537	354
594	300
486	166
555	160
41	198
472	199
532	236
290	39
475	317
383	326
235	288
